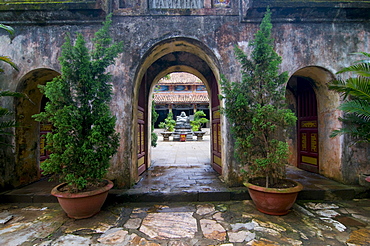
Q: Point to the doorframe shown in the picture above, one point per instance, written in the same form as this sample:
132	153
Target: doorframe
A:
330	149
158	51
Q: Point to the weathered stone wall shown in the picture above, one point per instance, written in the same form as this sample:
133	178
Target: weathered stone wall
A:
310	48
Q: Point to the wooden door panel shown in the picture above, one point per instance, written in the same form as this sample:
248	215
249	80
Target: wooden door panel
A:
141	158
216	141
308	154
44	129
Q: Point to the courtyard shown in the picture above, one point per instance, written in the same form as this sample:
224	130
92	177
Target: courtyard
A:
180	170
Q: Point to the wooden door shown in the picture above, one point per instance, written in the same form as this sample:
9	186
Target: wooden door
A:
216	127
216	140
45	128
308	154
142	158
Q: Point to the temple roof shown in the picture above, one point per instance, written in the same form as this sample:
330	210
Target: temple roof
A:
180	78
173	98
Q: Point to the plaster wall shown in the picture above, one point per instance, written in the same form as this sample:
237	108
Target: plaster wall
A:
325	46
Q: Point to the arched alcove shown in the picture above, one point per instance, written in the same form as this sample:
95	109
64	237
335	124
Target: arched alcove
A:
308	91
27	139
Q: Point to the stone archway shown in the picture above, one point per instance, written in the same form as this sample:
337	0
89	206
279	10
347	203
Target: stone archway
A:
174	55
27	140
329	150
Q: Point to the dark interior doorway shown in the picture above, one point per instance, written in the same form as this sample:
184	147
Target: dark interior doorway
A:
308	154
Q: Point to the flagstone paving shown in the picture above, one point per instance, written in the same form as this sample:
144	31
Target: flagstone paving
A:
190	223
184	224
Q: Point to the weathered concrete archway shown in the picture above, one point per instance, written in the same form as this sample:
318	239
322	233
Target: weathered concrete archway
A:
329	150
178	54
28	135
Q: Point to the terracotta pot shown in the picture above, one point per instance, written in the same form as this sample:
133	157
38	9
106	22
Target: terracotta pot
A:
273	201
82	205
364	180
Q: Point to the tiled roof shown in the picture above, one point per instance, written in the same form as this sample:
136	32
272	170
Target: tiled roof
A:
181	98
180	78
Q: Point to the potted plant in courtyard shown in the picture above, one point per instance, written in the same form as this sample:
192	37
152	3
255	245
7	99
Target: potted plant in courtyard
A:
168	126
83	138
256	110
355	92
197	124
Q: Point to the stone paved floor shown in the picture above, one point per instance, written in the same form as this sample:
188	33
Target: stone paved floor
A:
179	166
181	171
181	224
224	223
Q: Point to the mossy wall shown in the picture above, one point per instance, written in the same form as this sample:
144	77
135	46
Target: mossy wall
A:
303	43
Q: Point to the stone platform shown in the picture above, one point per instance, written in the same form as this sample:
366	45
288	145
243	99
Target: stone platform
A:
181	172
180	201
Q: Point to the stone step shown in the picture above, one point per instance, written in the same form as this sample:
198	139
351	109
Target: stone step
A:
329	190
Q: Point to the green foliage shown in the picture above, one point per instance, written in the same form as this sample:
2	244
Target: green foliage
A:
256	110
7	59
198	121
83	138
169	123
154	119
356	94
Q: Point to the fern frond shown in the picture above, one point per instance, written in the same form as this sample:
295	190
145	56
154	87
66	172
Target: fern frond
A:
359	108
9	29
9	61
361	69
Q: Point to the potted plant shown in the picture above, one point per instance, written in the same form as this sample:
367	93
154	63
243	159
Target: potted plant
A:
83	138
256	110
168	126
197	124
355	92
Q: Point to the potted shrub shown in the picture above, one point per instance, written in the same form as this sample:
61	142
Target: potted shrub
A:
168	126
256	110
83	138
355	92
197	124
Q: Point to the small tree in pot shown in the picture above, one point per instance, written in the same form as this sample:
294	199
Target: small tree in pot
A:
198	121
256	110
84	137
169	123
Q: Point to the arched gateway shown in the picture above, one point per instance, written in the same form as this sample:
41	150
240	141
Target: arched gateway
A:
174	55
314	41
30	137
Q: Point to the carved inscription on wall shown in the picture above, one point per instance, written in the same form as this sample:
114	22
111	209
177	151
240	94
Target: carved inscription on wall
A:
176	4
221	3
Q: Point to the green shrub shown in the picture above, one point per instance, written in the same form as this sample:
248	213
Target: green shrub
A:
356	95
198	121
169	123
256	110
83	138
